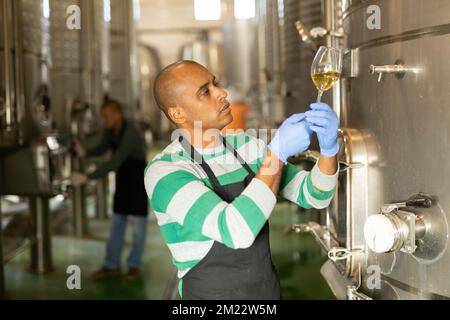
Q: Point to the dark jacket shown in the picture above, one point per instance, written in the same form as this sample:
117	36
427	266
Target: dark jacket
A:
128	161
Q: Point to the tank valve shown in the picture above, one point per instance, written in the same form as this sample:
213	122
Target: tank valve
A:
399	69
396	227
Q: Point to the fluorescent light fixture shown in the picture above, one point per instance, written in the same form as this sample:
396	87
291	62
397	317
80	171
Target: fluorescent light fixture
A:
207	9
137	10
107	10
244	9
46	9
281	9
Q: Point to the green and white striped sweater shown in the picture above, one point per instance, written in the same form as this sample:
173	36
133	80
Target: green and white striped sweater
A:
192	216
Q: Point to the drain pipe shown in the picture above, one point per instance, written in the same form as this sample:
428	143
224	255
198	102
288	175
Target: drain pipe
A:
332	19
332	10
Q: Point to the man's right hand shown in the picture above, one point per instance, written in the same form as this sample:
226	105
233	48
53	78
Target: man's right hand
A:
293	137
78	179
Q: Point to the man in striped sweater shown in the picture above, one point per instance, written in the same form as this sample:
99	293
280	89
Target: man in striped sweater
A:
212	194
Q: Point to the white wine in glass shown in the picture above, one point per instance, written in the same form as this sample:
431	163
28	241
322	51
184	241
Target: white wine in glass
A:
326	69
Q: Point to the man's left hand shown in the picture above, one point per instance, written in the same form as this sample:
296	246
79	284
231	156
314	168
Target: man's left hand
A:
325	123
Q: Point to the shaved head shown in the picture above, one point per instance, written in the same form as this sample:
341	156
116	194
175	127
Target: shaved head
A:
187	93
168	84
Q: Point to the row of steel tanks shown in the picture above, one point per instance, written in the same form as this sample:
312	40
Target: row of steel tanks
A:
59	60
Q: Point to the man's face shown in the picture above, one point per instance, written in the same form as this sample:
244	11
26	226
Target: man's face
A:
201	98
110	117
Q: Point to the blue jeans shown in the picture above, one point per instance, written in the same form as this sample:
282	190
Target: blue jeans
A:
116	240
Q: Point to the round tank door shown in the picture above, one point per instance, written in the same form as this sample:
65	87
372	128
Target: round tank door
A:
417	226
385	233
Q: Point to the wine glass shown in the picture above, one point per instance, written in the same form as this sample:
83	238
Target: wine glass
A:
326	69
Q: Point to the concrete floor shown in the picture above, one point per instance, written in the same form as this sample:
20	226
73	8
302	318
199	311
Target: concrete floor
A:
297	258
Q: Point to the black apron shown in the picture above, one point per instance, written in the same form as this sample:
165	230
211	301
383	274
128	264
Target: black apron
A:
130	197
232	274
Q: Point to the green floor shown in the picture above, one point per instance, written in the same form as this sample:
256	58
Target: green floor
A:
297	258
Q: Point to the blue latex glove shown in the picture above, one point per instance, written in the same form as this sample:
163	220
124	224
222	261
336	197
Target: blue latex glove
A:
324	121
293	136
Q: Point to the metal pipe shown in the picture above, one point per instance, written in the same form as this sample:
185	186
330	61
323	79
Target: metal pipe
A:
328	21
399	69
274	65
79	216
305	34
332	24
102	199
18	63
2	271
261	9
420	228
396	68
7	64
87	53
79	211
41	253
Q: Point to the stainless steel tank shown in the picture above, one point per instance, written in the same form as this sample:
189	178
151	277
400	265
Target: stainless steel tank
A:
95	81
241	70
71	107
37	164
81	81
205	52
388	225
53	80
410	131
25	102
95	59
125	75
81	63
34	161
269	61
150	66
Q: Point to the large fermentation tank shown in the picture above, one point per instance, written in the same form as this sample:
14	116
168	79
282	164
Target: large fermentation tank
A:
36	164
205	52
150	66
95	57
66	60
269	61
81	63
125	74
80	77
33	159
395	135
24	45
241	70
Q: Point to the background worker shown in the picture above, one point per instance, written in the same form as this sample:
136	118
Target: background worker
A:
128	161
